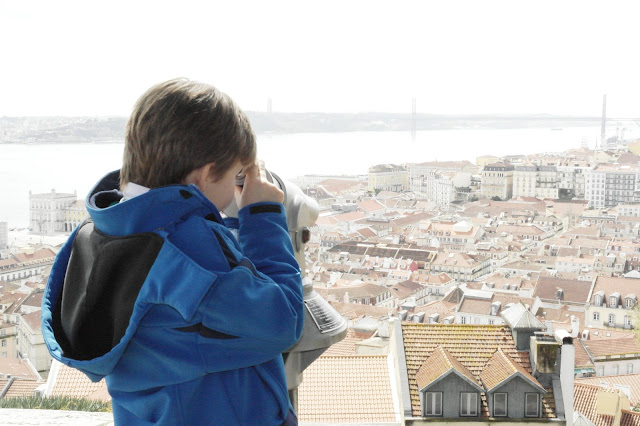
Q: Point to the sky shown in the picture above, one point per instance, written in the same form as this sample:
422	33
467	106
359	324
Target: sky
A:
86	58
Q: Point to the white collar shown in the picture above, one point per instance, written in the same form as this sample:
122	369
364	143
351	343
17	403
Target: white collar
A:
131	190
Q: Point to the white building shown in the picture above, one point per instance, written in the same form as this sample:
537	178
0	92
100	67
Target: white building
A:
388	177
524	180
31	342
47	211
608	185
497	181
571	178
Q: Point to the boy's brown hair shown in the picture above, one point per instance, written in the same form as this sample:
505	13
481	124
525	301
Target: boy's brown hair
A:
181	125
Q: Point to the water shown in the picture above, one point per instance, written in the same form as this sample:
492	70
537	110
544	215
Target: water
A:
76	167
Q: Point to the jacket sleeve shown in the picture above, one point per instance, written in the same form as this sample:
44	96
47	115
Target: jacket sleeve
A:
256	313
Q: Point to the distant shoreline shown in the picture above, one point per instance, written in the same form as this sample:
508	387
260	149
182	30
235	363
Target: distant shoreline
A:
101	130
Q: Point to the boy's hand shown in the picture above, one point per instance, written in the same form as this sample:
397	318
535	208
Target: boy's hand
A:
257	188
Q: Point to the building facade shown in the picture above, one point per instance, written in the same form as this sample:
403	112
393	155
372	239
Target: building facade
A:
497	181
608	185
388	177
54	212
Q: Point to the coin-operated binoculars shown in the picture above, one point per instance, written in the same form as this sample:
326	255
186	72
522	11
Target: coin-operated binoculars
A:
323	325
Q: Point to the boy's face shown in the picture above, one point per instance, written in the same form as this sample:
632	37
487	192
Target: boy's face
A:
222	191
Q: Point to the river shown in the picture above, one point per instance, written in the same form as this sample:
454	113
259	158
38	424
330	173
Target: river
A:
76	167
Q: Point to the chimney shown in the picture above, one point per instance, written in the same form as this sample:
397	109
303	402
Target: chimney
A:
567	365
575	326
345	299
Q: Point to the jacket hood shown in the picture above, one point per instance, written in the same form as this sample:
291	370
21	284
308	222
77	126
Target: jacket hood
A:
167	203
120	246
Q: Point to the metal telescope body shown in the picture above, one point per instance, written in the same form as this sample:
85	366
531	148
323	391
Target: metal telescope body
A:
323	325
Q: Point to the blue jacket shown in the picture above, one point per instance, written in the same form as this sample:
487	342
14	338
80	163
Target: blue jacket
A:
186	323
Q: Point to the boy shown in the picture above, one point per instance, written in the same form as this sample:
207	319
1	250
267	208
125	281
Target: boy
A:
154	293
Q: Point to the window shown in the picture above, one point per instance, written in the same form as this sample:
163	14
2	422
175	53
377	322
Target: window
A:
463	320
4	343
600	371
612	319
532	404
627	321
468	404
433	404
499	405
596	316
616	369
629	368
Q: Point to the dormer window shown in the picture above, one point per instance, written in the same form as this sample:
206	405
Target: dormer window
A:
630	301
598	298
614	300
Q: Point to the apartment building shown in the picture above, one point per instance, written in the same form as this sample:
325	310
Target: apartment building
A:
608	185
525	179
388	177
31	342
497	181
461	266
25	264
612	302
420	171
571	178
624	209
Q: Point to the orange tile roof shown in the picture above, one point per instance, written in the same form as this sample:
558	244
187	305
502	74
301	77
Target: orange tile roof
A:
74	383
631	380
603	347
347	389
345	347
21	387
582	359
439	363
573	290
585	398
500	368
630	418
33	319
17	368
471	345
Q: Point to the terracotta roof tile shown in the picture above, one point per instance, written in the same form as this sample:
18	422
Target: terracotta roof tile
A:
573	290
471	345
603	347
74	383
17	368
500	368
630	418
582	359
584	401
631	380
22	387
347	389
346	346
440	362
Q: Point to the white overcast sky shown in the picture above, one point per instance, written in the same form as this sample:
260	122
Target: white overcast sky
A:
95	58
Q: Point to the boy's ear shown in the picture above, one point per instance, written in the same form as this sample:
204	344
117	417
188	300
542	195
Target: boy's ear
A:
200	176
